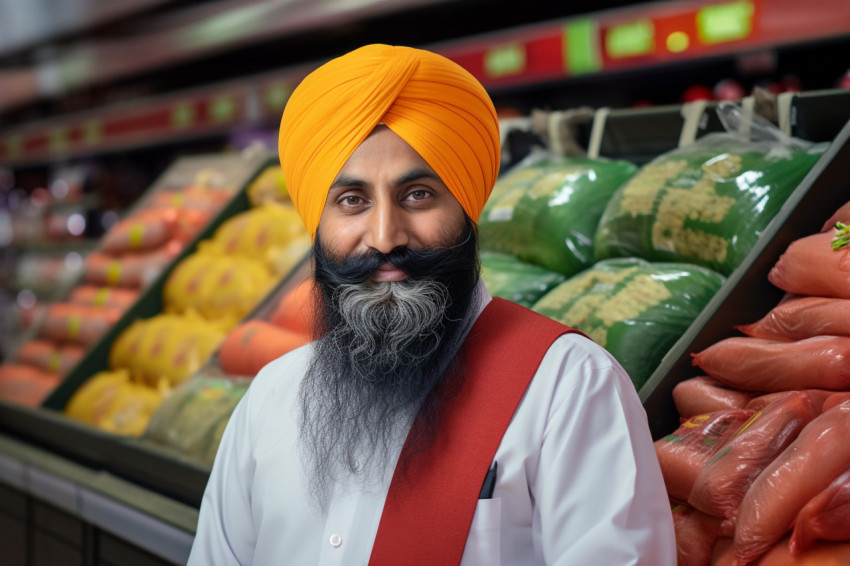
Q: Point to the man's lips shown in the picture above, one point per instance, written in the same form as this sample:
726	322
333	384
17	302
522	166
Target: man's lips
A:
388	272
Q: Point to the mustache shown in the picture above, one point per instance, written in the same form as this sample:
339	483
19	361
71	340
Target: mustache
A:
416	263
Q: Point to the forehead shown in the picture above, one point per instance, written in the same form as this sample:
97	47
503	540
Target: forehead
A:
384	151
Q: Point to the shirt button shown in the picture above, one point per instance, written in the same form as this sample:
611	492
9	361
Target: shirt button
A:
336	540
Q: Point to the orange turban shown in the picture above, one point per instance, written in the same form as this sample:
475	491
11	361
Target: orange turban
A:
432	103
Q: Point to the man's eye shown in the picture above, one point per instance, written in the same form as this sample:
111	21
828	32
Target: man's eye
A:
419	195
351	200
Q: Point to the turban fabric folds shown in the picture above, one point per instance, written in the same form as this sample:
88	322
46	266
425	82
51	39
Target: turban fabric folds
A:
432	103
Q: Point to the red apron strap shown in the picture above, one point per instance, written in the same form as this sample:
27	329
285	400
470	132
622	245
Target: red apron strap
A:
430	505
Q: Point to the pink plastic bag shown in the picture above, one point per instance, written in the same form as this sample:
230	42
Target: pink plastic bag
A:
702	394
757	364
696	534
683	453
806	467
811	267
825	517
725	479
802	317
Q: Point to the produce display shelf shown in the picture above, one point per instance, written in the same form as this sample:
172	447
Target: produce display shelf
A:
639	37
47	426
747	295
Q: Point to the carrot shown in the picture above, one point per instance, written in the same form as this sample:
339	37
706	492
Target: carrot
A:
723	481
145	230
757	364
805	468
696	534
825	517
820	554
26	384
703	394
684	453
255	343
295	311
104	296
811	267
802	317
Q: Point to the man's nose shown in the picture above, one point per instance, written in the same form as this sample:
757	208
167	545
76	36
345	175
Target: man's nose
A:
386	228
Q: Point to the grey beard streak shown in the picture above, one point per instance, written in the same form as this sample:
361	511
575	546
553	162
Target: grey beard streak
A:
368	378
385	319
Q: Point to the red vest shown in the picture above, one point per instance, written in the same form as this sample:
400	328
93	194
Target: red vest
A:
430	504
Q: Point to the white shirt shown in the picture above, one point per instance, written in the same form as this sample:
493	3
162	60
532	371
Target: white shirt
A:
578	480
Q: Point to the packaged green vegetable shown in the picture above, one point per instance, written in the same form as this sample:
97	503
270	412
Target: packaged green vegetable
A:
546	209
509	278
708	202
192	418
635	309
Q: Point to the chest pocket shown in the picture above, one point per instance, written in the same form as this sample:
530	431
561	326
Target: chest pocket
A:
483	545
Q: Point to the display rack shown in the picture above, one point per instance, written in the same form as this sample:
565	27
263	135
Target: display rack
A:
641	37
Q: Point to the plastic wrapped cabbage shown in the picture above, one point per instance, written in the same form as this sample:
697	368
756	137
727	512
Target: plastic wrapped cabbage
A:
705	203
633	308
192	419
515	280
546	209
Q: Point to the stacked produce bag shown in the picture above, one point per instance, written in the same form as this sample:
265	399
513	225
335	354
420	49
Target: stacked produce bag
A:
759	469
204	297
192	418
129	257
667	237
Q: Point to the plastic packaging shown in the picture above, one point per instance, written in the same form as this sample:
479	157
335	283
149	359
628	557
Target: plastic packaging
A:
707	202
545	210
515	280
255	343
802	317
696	535
825	517
295	309
633	308
192	419
723	481
806	467
701	394
757	364
684	453
811	267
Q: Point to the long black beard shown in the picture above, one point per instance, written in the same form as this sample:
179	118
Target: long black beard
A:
381	361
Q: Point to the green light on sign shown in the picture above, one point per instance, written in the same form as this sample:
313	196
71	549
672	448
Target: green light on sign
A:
183	115
223	109
582	49
15	145
678	41
725	22
631	39
58	139
92	132
277	96
505	60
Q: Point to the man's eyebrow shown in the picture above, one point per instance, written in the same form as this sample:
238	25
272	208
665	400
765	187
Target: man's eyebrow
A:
416	174
347	181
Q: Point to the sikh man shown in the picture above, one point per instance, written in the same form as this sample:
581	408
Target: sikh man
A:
428	423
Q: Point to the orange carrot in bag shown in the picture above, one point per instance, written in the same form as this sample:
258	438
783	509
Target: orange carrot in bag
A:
810	266
255	343
757	364
703	394
802	317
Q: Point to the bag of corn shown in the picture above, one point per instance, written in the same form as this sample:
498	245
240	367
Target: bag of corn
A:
192	418
707	202
633	308
546	209
509	278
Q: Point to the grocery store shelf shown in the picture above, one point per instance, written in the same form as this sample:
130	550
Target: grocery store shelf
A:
150	521
639	37
82	246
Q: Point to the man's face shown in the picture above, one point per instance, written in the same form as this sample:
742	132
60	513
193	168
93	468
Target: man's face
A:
385	197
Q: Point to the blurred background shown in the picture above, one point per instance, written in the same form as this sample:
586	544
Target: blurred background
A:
98	98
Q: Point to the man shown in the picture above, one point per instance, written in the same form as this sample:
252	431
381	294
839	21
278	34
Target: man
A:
428	424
